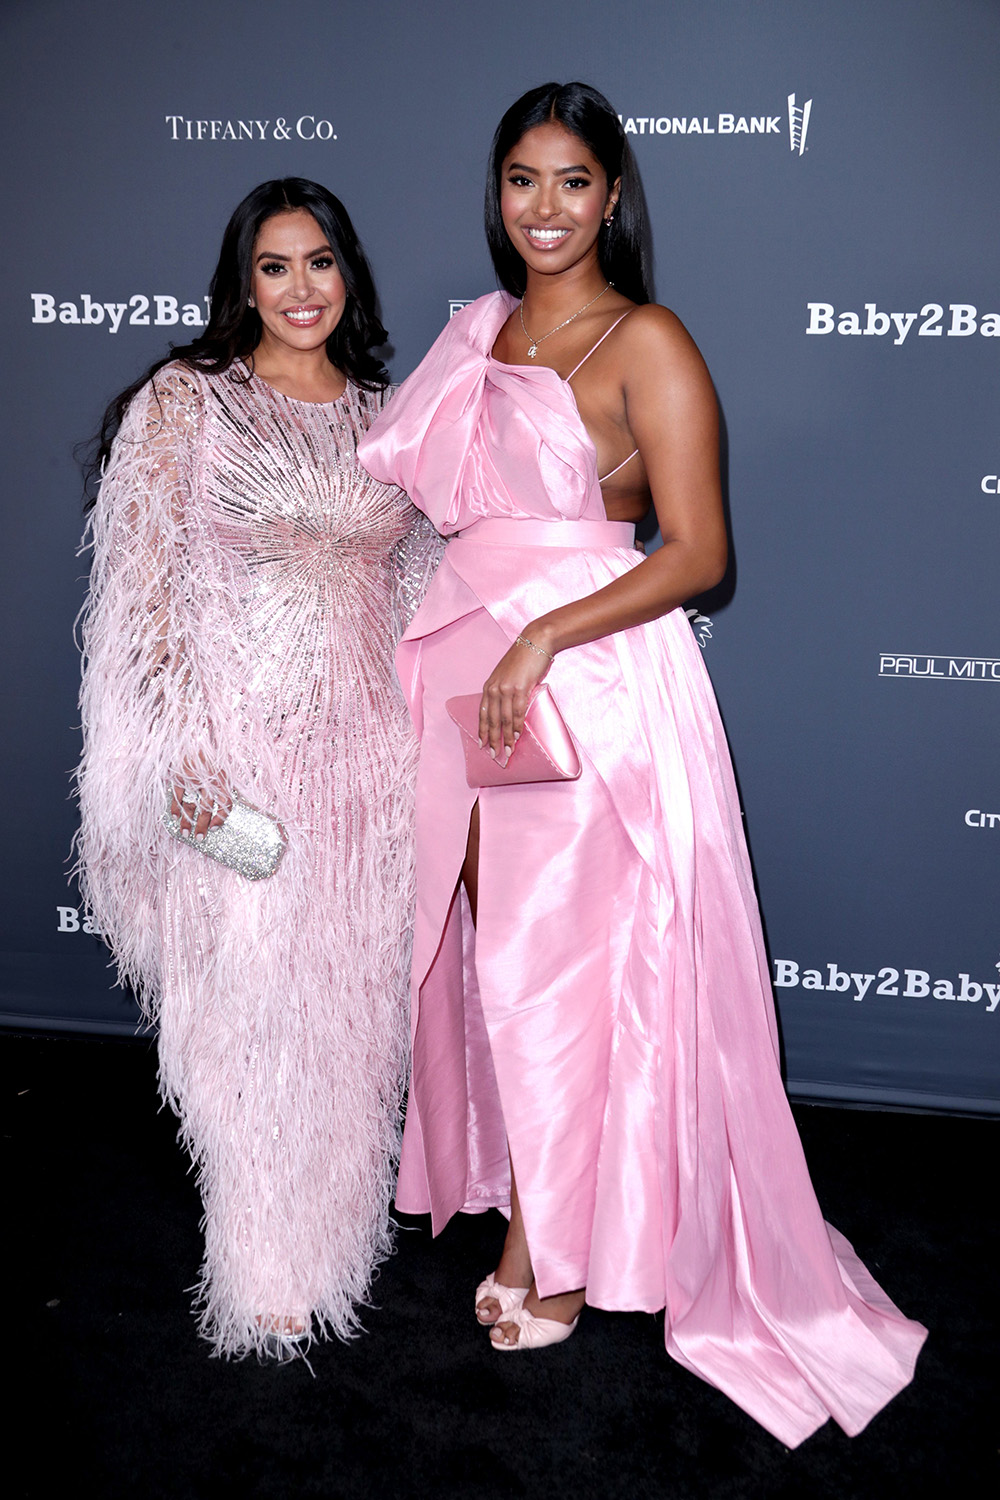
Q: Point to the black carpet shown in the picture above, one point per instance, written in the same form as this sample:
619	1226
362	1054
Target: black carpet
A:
115	1396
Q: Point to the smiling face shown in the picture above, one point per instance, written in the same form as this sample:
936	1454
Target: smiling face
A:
553	197
296	285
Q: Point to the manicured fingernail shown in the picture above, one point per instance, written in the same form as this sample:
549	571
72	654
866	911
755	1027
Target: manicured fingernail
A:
493	752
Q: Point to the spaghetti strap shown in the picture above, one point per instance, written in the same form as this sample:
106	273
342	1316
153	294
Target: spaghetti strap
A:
600	341
624	461
583	361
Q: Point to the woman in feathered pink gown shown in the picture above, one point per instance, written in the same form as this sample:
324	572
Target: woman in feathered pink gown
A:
594	1036
239	635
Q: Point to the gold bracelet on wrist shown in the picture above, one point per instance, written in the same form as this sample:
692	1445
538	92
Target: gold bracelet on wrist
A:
522	640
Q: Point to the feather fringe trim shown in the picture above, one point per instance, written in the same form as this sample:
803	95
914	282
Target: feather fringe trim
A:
281	1005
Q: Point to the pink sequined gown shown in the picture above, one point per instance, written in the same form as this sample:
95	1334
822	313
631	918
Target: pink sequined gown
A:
612	1015
246	578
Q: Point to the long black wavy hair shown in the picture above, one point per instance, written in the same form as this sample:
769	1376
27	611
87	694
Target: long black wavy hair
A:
234	329
622	248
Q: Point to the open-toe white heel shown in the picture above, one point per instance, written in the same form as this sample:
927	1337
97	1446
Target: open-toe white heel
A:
510	1299
533	1333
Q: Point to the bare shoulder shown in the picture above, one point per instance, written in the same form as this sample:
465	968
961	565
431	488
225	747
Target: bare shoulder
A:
654	334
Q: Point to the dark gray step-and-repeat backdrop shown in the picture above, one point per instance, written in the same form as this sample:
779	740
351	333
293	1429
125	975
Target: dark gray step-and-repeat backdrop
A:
822	183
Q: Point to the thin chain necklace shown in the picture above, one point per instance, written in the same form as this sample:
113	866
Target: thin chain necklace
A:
534	343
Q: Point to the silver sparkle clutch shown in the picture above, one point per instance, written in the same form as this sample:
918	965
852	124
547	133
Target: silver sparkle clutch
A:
249	841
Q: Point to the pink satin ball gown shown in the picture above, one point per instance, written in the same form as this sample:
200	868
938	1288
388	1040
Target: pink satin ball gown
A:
611	1017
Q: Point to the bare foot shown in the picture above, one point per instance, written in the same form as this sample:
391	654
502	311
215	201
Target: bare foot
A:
515	1262
515	1270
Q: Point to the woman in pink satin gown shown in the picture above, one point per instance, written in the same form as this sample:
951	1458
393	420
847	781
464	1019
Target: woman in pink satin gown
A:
594	1040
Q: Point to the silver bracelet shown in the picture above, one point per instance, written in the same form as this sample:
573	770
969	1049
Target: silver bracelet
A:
522	640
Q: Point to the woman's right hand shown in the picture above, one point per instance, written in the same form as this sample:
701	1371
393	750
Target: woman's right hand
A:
201	800
509	688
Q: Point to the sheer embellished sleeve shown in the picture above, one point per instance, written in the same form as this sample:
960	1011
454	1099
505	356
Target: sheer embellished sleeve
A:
145	709
414	558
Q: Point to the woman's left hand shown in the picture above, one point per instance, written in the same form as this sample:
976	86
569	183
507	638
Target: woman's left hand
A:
507	693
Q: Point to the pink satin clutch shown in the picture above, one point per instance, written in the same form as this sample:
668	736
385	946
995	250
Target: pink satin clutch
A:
544	752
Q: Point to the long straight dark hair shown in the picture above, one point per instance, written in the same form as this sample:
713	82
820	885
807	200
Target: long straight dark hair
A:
234	329
583	110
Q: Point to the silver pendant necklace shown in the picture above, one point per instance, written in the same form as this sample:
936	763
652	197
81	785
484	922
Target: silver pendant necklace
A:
534	343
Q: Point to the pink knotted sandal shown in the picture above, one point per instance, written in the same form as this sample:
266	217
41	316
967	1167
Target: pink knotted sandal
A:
510	1299
536	1333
